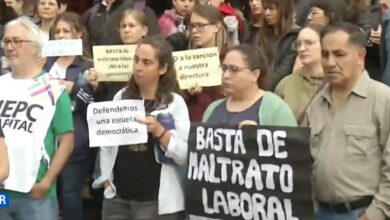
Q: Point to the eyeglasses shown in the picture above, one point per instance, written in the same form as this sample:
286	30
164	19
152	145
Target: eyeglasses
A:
306	43
198	27
233	69
15	43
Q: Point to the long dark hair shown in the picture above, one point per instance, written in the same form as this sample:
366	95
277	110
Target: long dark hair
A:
75	21
286	19
167	82
256	60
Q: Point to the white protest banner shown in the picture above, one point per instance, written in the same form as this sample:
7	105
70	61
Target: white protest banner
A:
114	123
199	66
58	48
114	63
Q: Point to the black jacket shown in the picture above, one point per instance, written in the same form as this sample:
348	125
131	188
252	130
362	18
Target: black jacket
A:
284	57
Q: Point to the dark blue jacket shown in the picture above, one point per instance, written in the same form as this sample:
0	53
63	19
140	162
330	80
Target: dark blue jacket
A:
81	96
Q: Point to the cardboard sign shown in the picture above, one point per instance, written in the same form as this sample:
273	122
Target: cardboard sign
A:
114	63
199	66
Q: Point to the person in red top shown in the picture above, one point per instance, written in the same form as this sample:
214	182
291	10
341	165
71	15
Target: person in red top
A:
227	10
206	29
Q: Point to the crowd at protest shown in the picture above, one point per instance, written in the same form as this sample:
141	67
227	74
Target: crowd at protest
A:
322	64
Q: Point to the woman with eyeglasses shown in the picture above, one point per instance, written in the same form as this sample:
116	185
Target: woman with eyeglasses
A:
276	37
206	29
245	83
324	12
297	89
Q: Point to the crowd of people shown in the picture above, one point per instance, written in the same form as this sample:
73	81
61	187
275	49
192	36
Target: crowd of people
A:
323	64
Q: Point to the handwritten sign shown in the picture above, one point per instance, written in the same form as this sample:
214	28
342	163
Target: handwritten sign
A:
199	66
114	63
249	173
114	123
58	48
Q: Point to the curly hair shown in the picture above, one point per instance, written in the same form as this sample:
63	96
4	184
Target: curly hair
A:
167	82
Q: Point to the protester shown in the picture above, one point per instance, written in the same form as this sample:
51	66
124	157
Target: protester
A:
155	192
255	22
233	19
245	82
70	71
132	27
350	132
304	82
385	48
324	12
4	162
172	21
39	147
206	30
276	37
108	32
48	10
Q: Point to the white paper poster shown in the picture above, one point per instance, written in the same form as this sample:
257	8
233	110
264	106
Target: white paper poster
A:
58	48
114	123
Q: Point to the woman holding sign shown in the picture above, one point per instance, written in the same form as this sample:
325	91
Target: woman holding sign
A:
145	181
245	81
70	71
207	29
132	27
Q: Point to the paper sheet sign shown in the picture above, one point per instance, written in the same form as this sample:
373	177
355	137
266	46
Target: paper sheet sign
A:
114	123
58	48
200	66
114	63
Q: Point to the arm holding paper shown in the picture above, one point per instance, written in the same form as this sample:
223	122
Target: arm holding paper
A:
173	142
